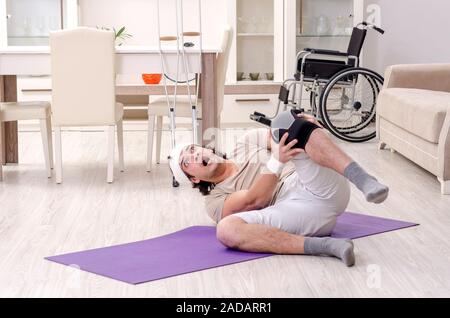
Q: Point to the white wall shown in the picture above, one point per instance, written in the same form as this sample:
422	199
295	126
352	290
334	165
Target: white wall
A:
139	17
417	31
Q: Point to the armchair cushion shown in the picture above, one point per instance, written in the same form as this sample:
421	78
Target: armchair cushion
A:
421	112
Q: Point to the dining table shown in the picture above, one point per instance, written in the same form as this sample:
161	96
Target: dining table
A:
130	60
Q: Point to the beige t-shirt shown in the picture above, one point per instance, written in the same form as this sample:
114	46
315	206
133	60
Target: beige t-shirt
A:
251	155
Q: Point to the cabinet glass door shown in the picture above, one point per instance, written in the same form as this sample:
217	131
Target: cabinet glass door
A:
30	21
255	40
324	24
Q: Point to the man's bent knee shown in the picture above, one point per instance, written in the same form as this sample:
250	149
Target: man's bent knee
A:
229	231
298	128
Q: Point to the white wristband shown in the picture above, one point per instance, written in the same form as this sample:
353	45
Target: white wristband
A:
274	166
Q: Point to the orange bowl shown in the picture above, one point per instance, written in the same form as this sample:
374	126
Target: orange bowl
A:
151	78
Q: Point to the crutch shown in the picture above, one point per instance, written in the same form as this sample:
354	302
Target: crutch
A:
194	105
171	106
180	50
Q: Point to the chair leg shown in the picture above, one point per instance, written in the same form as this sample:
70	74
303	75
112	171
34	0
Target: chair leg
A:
159	121
445	186
111	144
44	136
381	145
58	155
1	151
120	145
150	135
50	141
2	143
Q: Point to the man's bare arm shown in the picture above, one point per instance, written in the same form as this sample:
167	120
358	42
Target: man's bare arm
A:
260	193
255	198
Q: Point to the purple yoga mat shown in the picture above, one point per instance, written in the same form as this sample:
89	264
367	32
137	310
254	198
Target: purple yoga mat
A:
193	249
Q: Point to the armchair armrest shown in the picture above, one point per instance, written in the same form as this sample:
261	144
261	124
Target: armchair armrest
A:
435	77
325	52
444	150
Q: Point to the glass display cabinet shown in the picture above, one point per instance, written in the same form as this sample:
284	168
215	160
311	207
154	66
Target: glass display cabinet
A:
29	22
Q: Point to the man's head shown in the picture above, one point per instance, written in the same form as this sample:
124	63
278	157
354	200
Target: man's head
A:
193	163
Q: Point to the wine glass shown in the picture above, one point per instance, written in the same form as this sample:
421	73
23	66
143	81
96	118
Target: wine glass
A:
26	26
40	24
242	24
253	25
259	25
54	23
265	26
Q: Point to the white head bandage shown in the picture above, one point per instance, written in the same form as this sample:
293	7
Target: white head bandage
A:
174	163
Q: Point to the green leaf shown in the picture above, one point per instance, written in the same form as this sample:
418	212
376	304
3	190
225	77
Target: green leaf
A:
119	33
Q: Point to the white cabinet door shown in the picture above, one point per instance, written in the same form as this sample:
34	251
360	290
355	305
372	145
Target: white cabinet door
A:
257	52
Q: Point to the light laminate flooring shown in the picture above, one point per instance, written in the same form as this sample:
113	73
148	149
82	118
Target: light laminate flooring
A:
39	218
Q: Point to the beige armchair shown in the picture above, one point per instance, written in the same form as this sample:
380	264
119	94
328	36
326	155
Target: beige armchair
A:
413	116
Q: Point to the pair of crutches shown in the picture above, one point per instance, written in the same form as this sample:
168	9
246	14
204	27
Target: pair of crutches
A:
180	53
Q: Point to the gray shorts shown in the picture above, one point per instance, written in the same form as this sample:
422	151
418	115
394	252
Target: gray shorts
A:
309	202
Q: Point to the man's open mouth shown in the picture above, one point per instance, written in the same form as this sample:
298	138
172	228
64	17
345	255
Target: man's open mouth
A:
205	161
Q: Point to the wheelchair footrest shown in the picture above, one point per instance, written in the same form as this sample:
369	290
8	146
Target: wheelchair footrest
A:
260	118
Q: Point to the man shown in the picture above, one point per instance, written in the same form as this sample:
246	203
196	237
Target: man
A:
284	205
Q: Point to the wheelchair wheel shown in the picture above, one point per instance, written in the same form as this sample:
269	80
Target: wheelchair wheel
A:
348	104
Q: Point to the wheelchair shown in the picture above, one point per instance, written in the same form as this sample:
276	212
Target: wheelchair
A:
342	95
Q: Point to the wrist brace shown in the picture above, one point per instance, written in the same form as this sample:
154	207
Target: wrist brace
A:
274	166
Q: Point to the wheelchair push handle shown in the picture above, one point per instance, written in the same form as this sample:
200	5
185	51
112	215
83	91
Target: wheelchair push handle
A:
379	30
368	25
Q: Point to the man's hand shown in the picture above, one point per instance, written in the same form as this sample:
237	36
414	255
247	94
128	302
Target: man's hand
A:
310	118
284	153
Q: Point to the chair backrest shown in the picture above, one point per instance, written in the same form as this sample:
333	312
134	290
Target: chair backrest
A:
356	41
222	64
83	77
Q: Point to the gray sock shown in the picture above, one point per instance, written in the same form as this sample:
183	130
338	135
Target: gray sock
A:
373	190
339	248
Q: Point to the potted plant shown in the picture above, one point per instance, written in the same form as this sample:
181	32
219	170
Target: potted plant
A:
121	34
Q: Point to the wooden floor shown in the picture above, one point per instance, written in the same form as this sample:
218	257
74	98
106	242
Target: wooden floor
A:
39	218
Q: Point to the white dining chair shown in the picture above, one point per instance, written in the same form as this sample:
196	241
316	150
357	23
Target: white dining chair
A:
14	111
83	88
157	108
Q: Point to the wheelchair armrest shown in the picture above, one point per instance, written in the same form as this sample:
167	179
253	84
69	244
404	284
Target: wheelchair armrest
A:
325	52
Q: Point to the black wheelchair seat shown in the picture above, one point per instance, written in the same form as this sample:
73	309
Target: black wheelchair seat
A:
322	69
